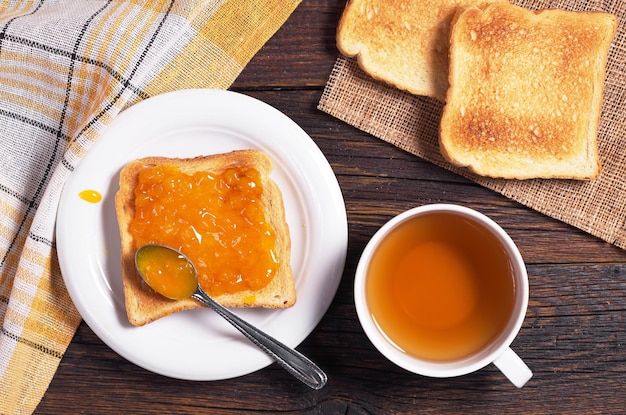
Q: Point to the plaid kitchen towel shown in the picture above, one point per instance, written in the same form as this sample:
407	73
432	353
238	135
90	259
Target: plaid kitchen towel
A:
67	68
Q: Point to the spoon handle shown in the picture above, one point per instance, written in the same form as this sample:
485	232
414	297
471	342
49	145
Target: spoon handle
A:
293	361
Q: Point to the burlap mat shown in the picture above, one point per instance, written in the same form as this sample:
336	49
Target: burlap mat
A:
411	123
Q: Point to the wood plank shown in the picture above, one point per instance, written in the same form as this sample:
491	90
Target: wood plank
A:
301	54
569	339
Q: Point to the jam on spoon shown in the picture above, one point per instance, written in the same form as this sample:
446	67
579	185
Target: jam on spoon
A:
171	274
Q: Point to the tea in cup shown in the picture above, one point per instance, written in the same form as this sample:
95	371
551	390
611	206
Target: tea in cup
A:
441	290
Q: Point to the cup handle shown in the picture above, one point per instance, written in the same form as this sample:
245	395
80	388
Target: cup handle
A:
513	367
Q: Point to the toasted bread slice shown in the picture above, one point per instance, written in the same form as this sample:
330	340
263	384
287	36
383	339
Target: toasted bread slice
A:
403	43
525	91
143	305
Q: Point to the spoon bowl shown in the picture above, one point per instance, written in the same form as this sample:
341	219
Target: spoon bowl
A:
171	274
166	271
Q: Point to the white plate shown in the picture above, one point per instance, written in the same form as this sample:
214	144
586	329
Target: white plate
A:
198	344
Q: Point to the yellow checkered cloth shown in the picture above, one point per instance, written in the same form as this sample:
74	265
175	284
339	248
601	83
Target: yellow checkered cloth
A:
67	68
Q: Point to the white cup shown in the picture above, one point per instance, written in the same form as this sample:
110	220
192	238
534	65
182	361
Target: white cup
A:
496	351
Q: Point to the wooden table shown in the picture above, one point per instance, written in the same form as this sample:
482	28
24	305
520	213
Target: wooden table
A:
573	338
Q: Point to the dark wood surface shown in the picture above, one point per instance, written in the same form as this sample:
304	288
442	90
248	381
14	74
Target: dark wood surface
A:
573	338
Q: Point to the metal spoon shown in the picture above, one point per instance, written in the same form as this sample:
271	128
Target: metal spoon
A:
186	285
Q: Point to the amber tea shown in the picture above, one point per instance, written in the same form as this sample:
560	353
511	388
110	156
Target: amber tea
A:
440	286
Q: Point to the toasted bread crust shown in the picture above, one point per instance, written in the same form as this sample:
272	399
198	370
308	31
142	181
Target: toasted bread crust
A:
402	43
526	91
143	305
